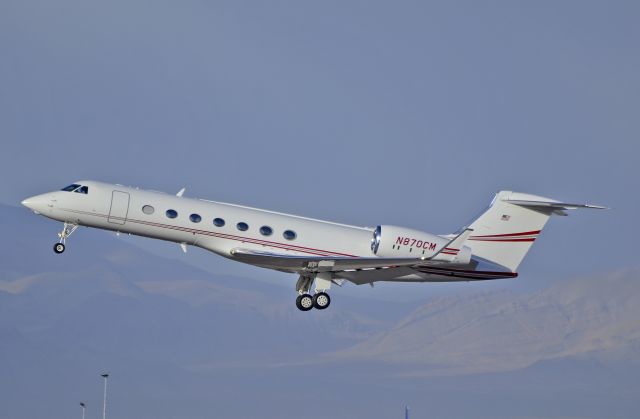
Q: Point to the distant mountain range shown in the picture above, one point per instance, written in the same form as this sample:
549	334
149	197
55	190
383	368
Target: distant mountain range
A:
501	331
179	340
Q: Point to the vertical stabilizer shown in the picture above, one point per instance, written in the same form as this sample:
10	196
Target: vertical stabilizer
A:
505	232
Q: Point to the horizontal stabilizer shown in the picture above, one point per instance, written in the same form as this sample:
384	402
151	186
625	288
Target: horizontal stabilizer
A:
550	206
557	205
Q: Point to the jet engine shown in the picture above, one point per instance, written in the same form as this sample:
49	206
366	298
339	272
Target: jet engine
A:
392	241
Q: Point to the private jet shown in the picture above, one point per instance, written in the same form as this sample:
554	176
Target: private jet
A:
320	253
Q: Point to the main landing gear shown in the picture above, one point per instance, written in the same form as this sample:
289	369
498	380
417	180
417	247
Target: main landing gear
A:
67	231
320	300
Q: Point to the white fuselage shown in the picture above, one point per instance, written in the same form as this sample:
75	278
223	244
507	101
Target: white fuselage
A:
120	208
228	230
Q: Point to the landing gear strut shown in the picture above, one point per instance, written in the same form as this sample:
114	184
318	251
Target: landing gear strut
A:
320	300
67	231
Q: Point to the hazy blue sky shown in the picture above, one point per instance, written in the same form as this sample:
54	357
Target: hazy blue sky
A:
410	113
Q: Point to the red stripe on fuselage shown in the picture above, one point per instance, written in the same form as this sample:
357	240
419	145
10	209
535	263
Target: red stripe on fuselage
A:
525	233
295	248
504	240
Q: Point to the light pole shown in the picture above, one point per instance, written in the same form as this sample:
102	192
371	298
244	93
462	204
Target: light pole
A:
83	407
104	405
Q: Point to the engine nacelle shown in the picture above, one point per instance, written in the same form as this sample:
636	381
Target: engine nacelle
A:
392	241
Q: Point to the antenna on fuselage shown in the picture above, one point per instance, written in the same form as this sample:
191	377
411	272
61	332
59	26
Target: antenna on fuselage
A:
181	192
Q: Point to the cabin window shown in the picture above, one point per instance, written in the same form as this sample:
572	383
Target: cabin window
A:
266	230
242	226
82	190
195	218
218	222
148	209
289	235
172	213
70	188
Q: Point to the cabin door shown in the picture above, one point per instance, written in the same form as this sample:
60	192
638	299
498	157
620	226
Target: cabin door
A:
119	207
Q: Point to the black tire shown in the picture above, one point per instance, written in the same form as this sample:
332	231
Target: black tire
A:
58	248
304	302
321	300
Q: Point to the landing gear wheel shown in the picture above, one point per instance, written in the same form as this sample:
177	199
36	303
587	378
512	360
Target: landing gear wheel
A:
321	300
304	302
58	248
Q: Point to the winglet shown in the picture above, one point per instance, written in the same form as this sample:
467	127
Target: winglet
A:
181	192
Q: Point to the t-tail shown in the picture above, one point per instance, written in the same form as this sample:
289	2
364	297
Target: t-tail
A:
505	232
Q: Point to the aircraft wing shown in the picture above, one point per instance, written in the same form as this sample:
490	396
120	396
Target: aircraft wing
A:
314	264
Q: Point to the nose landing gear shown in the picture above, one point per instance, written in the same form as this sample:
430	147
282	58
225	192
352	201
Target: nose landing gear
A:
67	231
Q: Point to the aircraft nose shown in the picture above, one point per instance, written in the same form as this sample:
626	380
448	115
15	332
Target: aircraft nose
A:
36	203
28	202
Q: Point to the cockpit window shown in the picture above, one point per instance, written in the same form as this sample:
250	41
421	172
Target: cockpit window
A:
70	187
74	187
